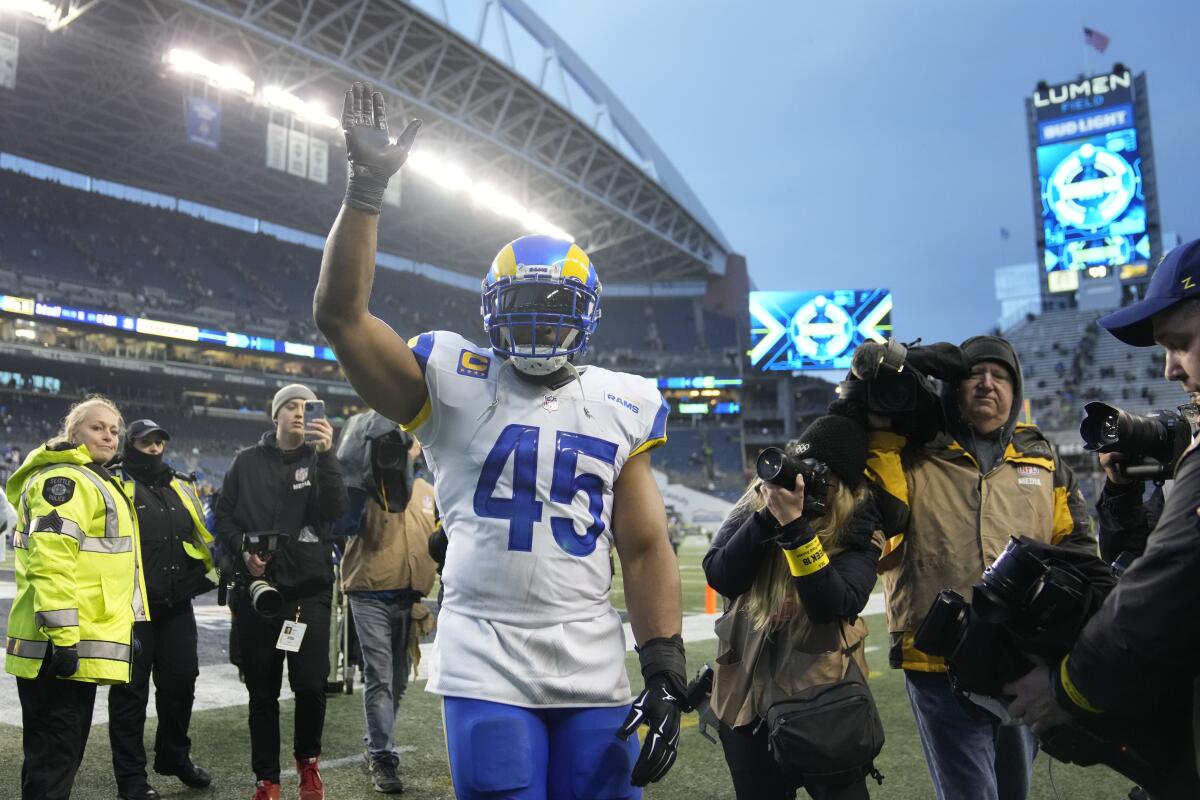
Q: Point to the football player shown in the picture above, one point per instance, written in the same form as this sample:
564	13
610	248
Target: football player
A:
540	468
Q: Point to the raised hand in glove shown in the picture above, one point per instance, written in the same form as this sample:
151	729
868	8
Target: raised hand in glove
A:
373	157
657	707
64	661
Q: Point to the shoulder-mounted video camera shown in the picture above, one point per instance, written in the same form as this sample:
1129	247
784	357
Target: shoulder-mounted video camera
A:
1031	605
896	381
776	467
1155	442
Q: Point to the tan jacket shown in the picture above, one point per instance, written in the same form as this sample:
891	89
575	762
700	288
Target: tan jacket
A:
958	521
748	660
392	549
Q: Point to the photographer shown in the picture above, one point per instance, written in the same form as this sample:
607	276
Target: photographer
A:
961	495
386	571
1137	658
288	485
798	577
176	563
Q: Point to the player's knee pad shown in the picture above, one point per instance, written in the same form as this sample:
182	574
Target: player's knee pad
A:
494	753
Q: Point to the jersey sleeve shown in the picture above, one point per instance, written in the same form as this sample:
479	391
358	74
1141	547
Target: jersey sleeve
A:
655	432
424	425
452	367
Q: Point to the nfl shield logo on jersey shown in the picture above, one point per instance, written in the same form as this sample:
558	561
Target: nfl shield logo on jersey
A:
550	403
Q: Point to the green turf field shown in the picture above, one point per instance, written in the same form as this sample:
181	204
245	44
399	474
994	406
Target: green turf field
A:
221	743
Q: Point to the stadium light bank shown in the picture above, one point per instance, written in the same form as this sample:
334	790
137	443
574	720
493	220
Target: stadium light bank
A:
42	10
441	171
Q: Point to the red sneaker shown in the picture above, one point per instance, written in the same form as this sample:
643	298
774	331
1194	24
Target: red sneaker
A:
265	790
311	786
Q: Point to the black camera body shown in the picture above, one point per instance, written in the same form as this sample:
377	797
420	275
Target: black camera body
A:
895	381
1031	605
1156	441
776	467
265	599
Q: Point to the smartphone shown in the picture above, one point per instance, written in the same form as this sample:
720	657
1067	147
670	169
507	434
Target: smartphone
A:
313	409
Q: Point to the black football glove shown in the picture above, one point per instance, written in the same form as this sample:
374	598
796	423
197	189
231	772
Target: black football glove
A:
658	708
373	158
64	661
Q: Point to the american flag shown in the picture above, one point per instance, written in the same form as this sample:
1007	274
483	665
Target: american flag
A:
1096	39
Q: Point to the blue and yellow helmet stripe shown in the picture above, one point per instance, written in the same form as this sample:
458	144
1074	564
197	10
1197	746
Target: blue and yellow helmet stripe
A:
568	259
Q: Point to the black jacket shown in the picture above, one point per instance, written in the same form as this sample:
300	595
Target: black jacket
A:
298	492
1125	520
1141	650
839	591
172	576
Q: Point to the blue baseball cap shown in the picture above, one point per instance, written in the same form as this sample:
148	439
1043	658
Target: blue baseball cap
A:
1176	279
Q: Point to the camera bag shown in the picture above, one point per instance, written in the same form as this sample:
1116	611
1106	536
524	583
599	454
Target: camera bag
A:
825	734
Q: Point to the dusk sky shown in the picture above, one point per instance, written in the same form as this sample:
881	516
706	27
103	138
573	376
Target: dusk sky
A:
864	144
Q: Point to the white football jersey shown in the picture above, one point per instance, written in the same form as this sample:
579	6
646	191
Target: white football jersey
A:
524	478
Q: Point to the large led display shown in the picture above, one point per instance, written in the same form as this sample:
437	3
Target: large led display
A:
815	330
1093	201
1093	204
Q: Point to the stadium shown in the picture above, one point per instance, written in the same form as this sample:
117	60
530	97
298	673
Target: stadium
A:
169	169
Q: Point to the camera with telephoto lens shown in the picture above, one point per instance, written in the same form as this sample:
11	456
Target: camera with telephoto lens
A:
1029	607
265	599
1155	441
776	467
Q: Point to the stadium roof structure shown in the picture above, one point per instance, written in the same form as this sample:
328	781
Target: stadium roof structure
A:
94	94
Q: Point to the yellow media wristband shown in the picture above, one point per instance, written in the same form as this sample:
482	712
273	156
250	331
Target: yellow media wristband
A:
1072	690
807	558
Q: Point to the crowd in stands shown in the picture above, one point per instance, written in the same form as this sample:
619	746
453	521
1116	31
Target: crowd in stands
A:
71	247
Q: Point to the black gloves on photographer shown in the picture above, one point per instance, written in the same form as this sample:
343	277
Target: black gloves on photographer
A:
657	706
64	661
373	158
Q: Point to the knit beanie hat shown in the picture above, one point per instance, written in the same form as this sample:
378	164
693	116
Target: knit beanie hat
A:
991	348
293	391
839	442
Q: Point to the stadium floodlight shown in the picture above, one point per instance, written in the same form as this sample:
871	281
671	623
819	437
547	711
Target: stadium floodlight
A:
452	177
191	63
307	110
43	10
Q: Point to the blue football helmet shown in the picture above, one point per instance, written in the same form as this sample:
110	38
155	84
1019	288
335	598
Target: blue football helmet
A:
541	303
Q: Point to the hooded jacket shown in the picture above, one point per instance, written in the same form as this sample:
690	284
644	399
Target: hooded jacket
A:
78	570
958	515
296	492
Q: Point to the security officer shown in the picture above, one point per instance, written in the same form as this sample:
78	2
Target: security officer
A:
178	565
79	591
1137	657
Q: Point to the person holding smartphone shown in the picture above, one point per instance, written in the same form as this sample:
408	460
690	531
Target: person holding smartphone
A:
290	482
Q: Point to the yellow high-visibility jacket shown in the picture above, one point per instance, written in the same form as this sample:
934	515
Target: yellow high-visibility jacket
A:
78	571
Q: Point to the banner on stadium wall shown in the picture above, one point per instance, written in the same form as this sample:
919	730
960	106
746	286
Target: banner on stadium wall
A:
277	147
318	159
8	60
297	153
203	123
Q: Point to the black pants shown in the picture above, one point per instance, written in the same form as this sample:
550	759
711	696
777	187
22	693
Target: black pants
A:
262	665
756	776
168	651
57	717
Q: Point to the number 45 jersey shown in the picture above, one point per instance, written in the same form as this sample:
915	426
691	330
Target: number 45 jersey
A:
524	477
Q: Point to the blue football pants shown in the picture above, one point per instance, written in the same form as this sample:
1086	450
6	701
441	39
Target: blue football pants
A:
504	752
